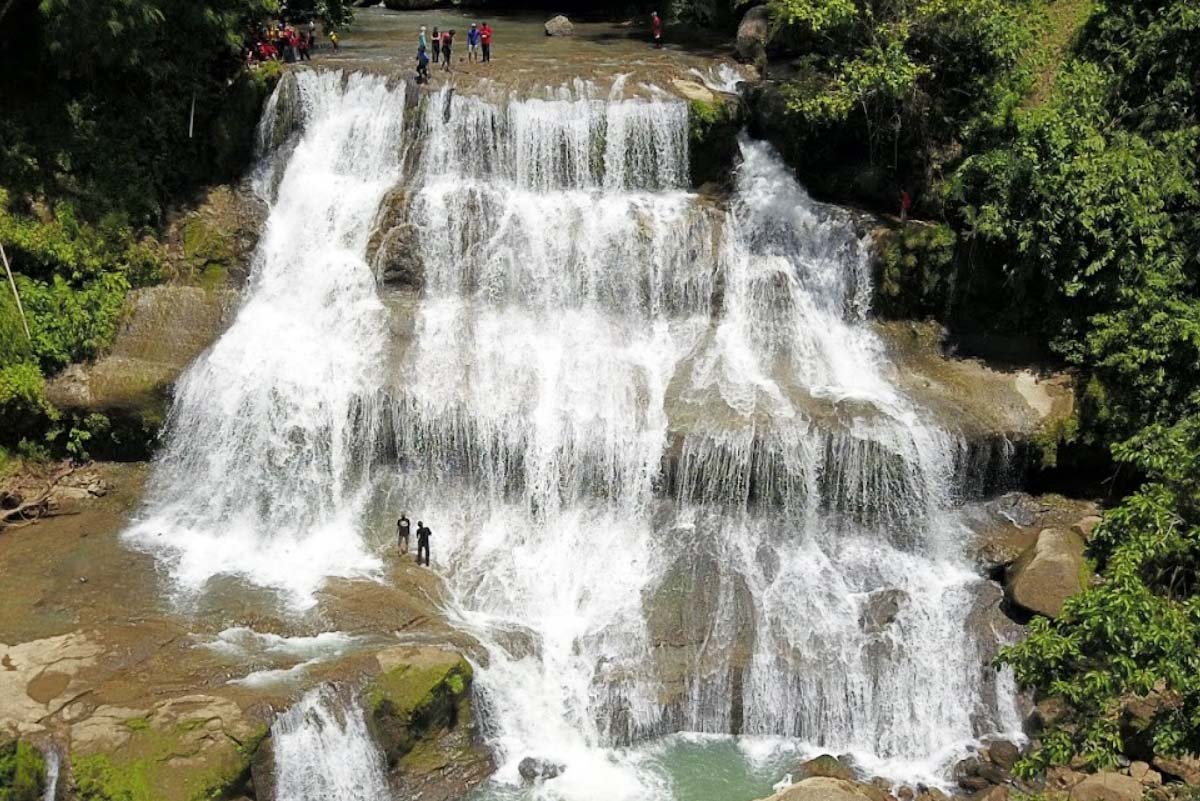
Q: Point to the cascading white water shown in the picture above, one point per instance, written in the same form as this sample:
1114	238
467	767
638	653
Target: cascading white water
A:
323	752
573	326
672	481
263	472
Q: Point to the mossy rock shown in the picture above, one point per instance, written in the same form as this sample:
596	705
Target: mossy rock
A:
419	691
713	128
22	772
187	753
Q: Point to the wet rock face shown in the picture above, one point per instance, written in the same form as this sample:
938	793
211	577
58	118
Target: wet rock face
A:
559	26
827	766
752	34
881	610
1048	572
532	769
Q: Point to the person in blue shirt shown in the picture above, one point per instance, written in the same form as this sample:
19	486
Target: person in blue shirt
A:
473	43
422	39
422	65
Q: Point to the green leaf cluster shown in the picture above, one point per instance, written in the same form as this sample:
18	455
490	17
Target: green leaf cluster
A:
893	86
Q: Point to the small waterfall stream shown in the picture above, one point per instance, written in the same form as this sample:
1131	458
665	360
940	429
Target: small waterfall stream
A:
673	484
323	752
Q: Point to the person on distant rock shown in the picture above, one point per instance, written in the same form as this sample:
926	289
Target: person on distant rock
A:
403	526
656	28
473	43
437	44
447	43
333	40
485	41
905	205
423	535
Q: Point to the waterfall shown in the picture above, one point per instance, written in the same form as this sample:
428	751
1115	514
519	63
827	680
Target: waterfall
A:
323	752
673	483
264	466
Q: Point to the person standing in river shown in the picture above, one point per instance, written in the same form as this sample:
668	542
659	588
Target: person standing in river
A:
403	527
423	535
656	28
437	44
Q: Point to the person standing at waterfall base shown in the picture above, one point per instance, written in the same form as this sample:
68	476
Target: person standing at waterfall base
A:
403	527
656	28
437	44
423	534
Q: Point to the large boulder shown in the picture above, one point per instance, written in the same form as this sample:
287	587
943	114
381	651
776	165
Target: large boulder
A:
193	747
417	691
419	712
827	766
1185	768
532	769
752	34
823	788
1048	572
1107	787
559	26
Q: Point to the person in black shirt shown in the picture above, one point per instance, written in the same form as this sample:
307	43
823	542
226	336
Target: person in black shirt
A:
423	534
403	526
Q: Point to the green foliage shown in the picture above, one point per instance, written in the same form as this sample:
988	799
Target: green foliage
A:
111	104
72	323
1138	633
895	85
22	772
24	409
914	271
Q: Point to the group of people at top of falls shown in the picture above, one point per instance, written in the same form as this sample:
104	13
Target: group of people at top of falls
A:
283	41
441	46
403	529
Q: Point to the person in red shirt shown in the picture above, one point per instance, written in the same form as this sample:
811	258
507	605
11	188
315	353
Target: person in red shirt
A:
656	28
485	41
905	205
447	43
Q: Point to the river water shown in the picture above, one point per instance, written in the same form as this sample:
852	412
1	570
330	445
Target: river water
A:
675	490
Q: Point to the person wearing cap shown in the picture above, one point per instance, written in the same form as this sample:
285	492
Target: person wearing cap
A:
422	39
473	43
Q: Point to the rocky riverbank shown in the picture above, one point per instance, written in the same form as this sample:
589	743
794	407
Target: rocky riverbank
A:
150	695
